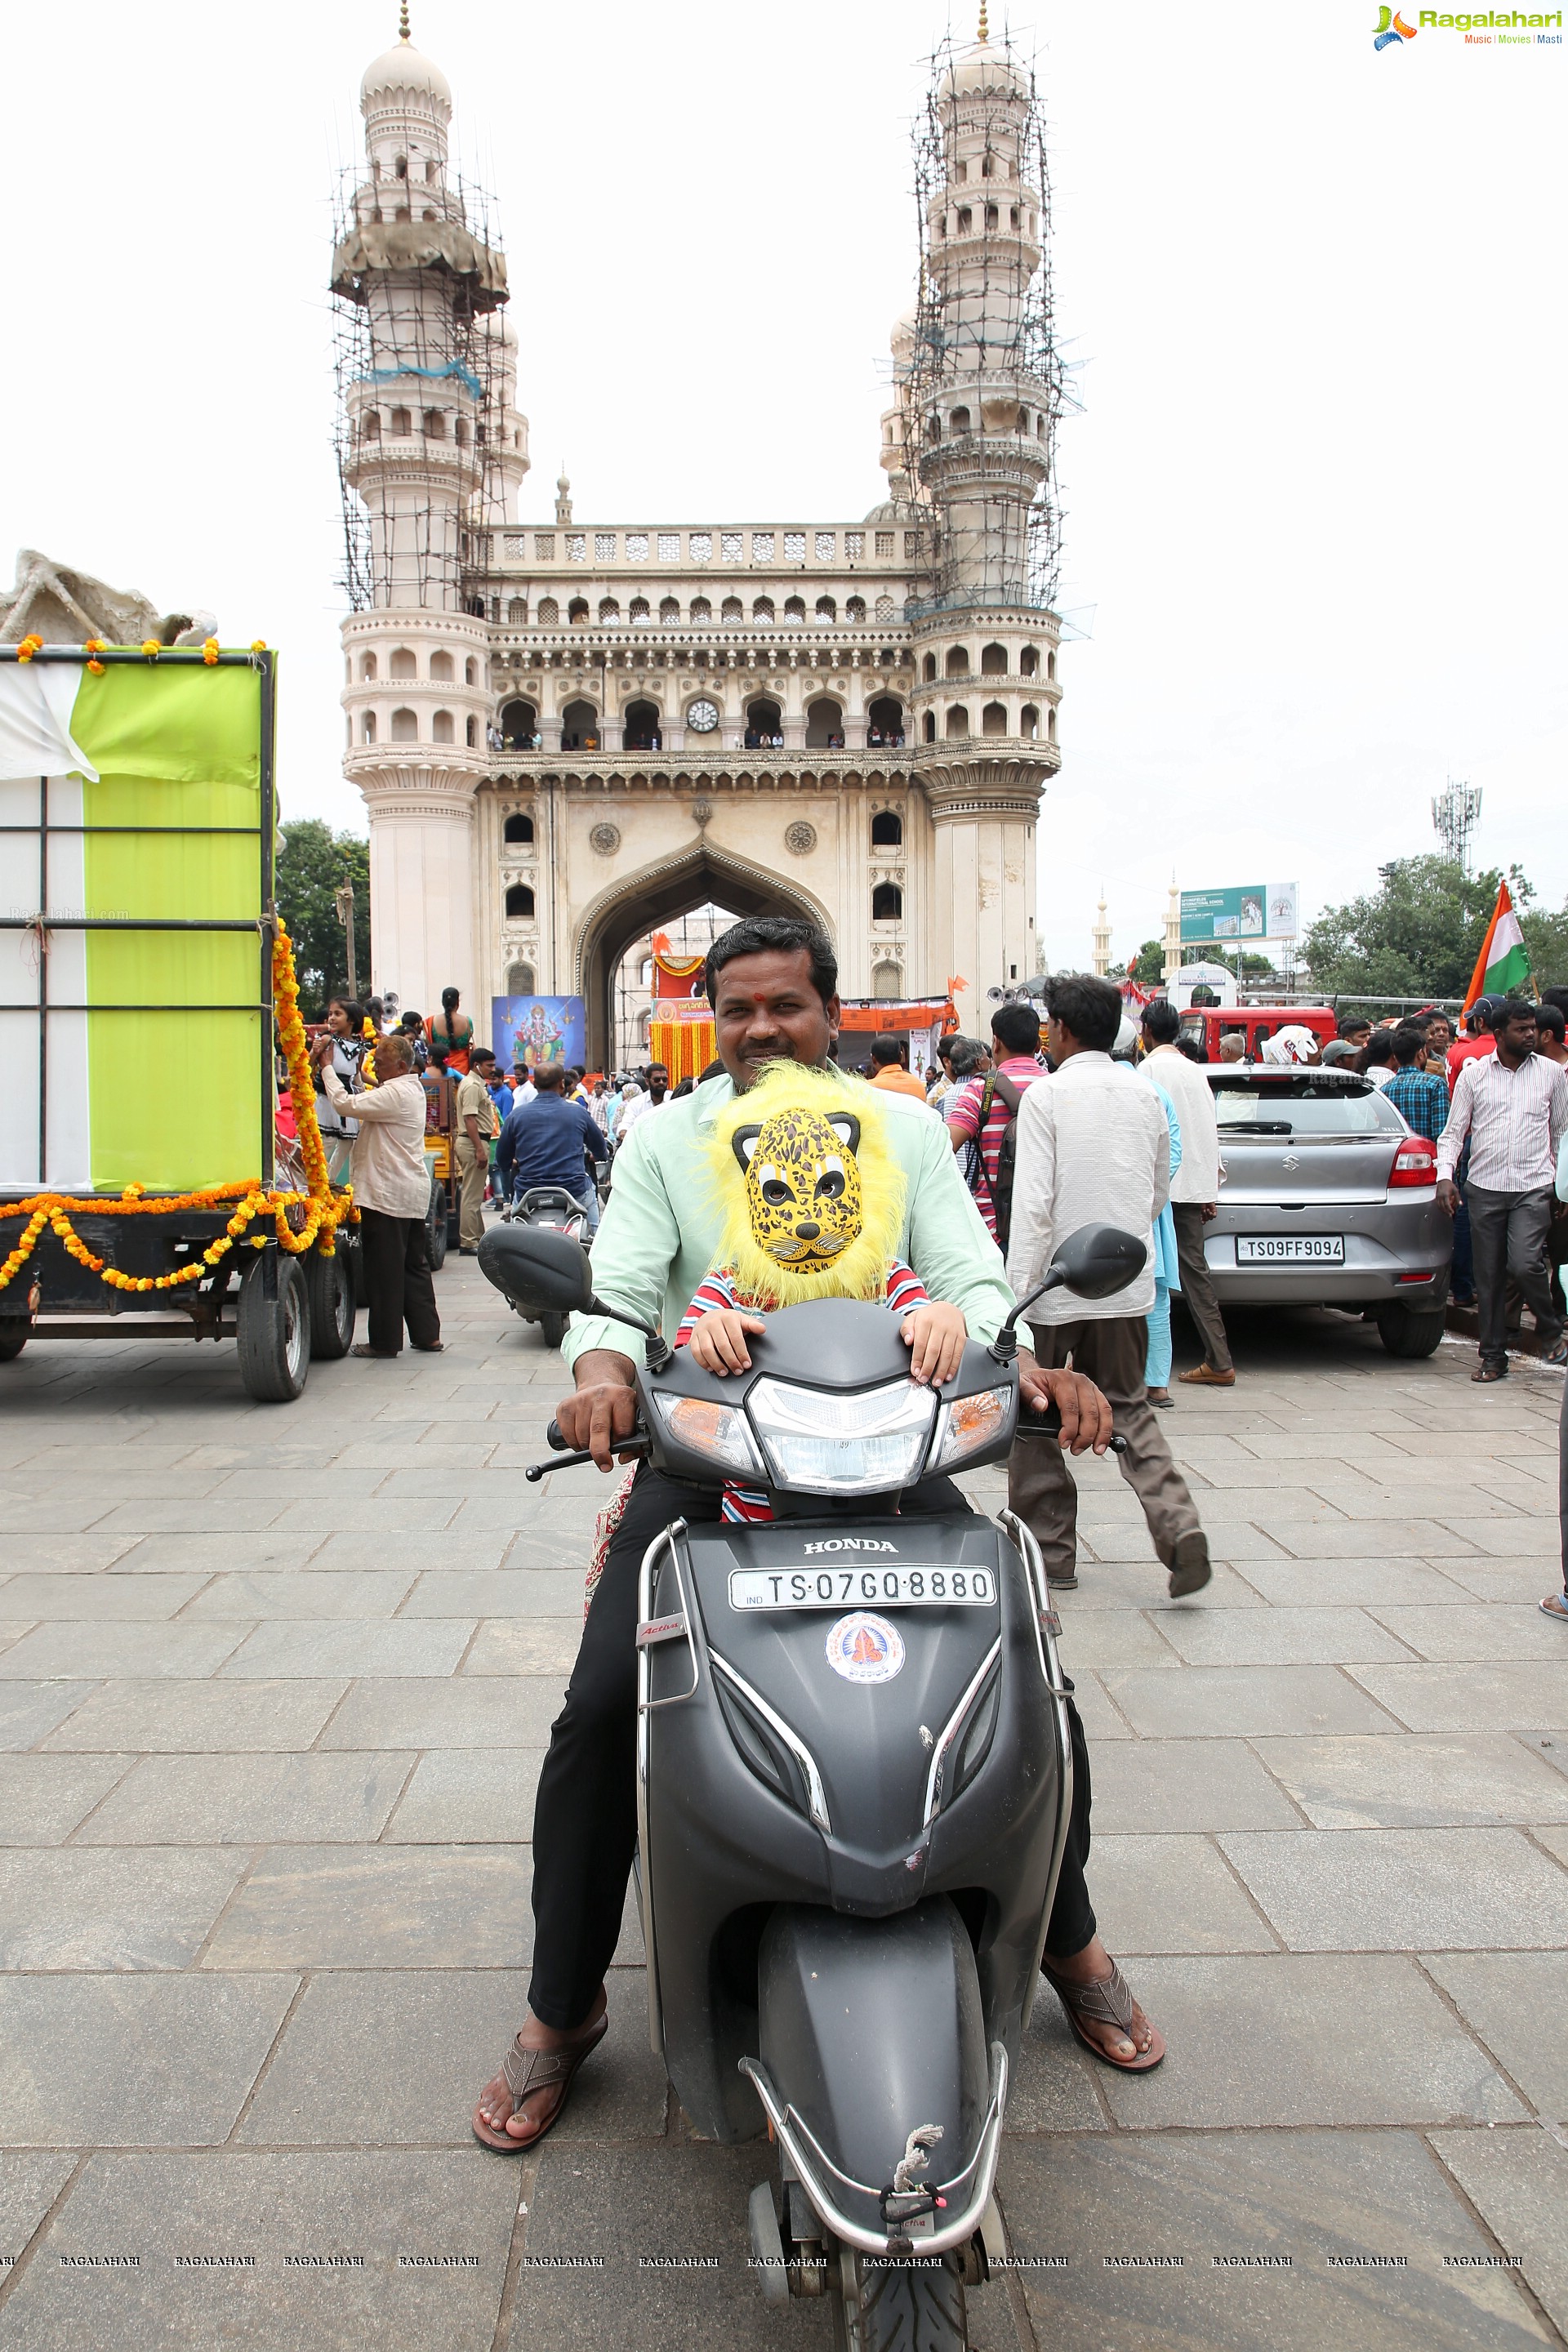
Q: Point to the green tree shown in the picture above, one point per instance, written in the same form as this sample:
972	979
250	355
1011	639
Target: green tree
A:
1417	935
1148	966
312	861
1546	936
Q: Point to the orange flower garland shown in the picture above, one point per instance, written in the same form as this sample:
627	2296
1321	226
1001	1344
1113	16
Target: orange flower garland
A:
325	1208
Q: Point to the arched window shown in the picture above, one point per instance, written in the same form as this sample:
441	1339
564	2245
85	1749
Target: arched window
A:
1029	662
435	425
470	672
1012	215
441	668
992	217
887	903
764	723
367	666
520	980
884	608
958	661
827	612
518	828
640	728
402	423
638	610
370	424
966	220
930	727
1050	664
1028	722
825	725
934	427
957	722
367	726
430	171
701	612
762	611
577	612
885	719
405	727
855	610
930	667
795	608
668	610
1051	725
579	728
517	610
404	664
1041	427
609	610
888	983
441	729
994	661
993	718
887	830
959	421
518	902
471	732
731	609
549	613
459	424
519	721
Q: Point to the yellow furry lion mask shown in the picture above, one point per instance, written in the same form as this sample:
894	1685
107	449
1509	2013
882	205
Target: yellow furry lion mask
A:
813	1197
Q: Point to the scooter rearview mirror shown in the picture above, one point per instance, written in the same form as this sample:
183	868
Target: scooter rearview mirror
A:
1093	1262
546	1272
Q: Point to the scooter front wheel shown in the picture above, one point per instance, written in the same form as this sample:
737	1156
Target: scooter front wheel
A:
898	2306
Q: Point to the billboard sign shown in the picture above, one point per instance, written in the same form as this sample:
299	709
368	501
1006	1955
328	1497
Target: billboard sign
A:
537	1029
1256	911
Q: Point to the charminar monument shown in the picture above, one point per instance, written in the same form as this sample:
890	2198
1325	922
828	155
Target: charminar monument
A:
570	730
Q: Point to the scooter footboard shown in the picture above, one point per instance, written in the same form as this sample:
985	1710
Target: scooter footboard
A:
875	2074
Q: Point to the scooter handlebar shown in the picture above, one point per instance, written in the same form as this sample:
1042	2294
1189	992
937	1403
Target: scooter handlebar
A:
1049	1424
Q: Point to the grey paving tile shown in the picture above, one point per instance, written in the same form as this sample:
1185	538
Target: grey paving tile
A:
512	1592
1426	1780
272	1592
389	1548
59	1515
28	2186
1101	1721
199	1718
203	1553
613	2202
1505	1539
1518	2182
351	1646
250	1799
1113	1584
1556	1841
1171	1892
468	1796
1508	1694
29	1710
208	1517
384	2208
345	1512
1470	1632
1279	1636
132	2060
525	1645
93	1907
1052	2088
1293	2038
1364	1583
47	1552
1347	1538
1246	1702
56	1594
1107	1637
378	1906
450	2029
1503	1580
132	1648
1308	2199
459	1711
1146	1785
42	1798
1512	2001
1404	1890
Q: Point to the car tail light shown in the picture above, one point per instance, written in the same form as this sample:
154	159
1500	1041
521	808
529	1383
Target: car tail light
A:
1415	1162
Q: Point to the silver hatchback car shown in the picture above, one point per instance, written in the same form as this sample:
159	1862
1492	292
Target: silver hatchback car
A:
1329	1200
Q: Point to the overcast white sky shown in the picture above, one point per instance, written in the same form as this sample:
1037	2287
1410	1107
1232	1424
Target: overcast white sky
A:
1316	496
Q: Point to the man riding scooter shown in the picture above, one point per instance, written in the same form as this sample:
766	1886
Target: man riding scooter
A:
773	985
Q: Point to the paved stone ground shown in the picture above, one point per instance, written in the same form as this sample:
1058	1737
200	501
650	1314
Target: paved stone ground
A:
274	1685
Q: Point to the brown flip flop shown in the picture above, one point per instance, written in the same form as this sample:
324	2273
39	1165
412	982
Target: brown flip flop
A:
1490	1372
527	2070
1109	1999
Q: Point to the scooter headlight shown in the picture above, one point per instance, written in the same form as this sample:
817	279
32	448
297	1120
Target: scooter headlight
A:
968	1425
843	1444
718	1431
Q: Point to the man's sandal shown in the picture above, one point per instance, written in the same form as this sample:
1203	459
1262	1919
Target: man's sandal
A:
1490	1372
527	2070
1108	2000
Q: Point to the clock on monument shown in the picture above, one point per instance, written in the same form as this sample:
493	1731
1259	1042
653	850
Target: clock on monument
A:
703	716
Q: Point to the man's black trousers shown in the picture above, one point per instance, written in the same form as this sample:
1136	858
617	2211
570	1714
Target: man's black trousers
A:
1508	1234
585	1822
398	1284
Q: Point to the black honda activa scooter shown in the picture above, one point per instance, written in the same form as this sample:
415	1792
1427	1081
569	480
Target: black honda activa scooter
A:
854	1781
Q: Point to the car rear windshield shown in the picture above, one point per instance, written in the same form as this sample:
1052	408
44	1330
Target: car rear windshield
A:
1302	1102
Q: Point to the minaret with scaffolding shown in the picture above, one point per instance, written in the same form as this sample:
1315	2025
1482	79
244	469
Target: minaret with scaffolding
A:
969	444
431	450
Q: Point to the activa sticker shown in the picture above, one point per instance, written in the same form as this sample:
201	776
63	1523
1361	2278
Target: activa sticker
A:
866	1649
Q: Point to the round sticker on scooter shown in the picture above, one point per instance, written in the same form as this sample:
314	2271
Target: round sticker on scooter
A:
866	1649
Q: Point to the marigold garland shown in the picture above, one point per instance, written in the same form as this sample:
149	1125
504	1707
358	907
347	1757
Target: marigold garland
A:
29	645
94	647
325	1208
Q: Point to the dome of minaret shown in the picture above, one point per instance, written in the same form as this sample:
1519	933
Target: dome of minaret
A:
405	72
984	67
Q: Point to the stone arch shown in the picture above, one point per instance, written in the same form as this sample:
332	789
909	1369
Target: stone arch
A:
660	894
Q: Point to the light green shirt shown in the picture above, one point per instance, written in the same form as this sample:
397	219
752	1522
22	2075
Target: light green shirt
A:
661	1230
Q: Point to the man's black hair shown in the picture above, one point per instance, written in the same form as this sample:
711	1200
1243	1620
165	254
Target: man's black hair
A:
480	1053
1378	1050
1086	1006
411	1020
1552	1020
1557	996
1349	1022
1512	1008
968	1053
1409	1039
886	1053
1017	1028
946	1046
1162	1022
775	935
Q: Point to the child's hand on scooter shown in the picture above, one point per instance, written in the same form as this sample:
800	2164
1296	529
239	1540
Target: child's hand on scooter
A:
934	1334
718	1341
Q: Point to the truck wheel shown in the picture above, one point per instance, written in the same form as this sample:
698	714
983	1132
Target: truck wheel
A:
435	1238
891	2308
1406	1333
12	1339
274	1334
554	1329
331	1284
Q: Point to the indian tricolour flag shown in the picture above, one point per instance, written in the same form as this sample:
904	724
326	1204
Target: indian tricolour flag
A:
132	982
1504	963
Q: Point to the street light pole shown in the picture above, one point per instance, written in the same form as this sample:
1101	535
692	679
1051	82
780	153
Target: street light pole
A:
344	903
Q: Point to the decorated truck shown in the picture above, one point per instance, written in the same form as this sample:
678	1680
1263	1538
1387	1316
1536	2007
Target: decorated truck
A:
149	1015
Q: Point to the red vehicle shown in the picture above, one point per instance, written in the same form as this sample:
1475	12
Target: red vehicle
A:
1208	1023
